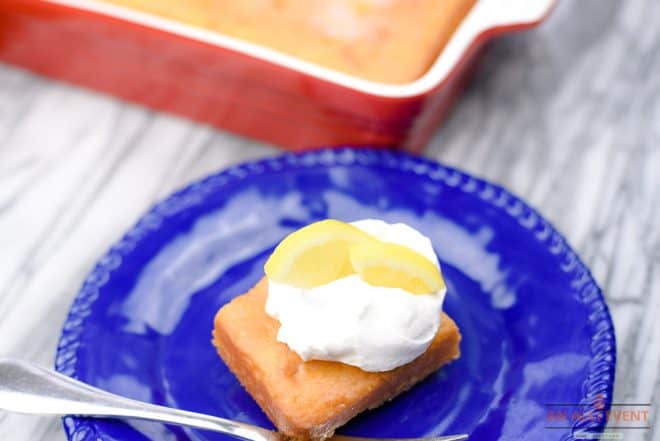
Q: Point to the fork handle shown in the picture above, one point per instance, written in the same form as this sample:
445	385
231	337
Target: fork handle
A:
29	388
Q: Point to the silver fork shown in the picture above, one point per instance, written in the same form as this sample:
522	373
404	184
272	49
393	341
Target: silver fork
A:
32	389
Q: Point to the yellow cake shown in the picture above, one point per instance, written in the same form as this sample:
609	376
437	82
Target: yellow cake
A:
310	399
389	41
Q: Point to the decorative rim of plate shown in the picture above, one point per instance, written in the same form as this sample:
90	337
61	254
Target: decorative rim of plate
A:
598	385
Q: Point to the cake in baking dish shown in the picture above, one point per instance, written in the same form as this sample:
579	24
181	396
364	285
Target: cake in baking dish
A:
388	41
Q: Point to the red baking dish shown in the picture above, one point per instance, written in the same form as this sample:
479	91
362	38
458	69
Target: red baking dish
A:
243	87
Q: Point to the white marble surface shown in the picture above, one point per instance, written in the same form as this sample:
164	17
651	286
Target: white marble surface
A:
567	116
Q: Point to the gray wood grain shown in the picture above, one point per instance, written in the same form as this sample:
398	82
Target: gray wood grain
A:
566	116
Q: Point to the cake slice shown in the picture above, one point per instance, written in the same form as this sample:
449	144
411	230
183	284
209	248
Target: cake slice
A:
310	399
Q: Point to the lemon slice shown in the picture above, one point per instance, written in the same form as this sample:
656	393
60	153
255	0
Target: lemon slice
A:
315	254
395	266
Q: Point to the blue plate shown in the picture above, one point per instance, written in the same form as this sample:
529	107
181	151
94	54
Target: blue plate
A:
537	336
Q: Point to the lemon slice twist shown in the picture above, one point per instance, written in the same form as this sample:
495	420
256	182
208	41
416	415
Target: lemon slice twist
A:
315	255
395	266
330	249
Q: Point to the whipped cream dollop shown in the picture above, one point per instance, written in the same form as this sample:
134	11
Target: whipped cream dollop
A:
348	320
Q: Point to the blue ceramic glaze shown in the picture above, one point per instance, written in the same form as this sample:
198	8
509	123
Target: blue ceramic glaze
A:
536	330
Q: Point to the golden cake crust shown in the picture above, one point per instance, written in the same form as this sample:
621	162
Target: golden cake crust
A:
309	400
